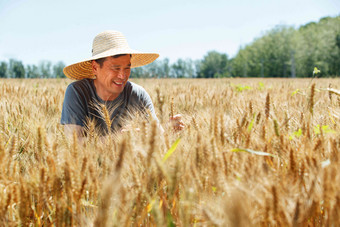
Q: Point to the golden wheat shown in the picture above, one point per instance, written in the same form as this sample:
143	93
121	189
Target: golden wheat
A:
267	155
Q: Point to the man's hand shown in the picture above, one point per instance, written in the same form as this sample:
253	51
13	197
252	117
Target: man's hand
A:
176	122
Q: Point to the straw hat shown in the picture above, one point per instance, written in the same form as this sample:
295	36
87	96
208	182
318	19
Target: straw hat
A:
105	44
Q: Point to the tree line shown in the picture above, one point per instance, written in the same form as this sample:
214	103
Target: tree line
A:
45	69
281	52
288	52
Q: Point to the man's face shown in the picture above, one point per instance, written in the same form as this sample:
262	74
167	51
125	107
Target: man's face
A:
112	76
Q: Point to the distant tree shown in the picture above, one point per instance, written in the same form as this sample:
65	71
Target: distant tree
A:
178	68
152	70
137	72
28	70
335	62
58	70
268	56
165	68
16	69
317	46
190	70
337	40
32	71
334	57
3	69
214	64
183	69
45	70
162	69
285	51
197	68
158	69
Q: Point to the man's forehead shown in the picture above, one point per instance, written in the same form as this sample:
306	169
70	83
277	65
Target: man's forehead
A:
117	65
122	60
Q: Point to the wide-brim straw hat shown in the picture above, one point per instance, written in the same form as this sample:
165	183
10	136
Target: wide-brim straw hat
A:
106	44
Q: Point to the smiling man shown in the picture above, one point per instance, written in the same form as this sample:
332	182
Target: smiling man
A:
103	80
112	75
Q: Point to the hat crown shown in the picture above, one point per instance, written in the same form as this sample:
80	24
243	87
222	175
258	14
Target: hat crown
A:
108	40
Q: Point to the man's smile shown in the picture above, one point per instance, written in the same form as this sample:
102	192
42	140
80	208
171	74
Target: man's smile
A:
118	82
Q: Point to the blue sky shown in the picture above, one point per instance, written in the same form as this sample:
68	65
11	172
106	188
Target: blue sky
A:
63	30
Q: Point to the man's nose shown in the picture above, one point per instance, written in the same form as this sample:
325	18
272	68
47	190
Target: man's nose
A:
121	74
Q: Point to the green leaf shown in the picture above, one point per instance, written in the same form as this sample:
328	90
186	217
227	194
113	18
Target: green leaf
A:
251	124
214	188
261	85
324	128
170	221
241	88
316	71
317	129
171	150
238	178
261	153
296	134
296	91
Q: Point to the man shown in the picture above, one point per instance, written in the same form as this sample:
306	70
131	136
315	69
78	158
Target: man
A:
102	92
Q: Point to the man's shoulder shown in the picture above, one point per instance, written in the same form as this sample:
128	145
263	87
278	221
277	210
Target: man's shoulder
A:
135	89
84	83
80	89
137	95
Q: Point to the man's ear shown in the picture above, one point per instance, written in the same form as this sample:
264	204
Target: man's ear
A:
95	66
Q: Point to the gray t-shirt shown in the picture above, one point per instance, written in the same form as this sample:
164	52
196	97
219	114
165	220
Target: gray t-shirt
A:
82	103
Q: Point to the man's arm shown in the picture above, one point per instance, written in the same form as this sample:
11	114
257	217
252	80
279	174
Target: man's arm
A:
175	122
73	112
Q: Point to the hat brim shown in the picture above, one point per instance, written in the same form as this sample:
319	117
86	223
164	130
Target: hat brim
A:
83	69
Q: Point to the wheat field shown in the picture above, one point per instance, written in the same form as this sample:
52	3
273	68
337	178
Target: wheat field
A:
255	152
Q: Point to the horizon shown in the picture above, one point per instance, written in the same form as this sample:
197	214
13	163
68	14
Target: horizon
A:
34	30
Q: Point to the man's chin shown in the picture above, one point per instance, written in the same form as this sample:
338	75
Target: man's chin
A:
117	90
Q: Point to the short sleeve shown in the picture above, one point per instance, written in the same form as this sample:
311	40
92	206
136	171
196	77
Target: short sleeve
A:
74	110
149	105
140	99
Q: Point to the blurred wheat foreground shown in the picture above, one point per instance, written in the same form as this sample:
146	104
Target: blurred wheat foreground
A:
255	152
